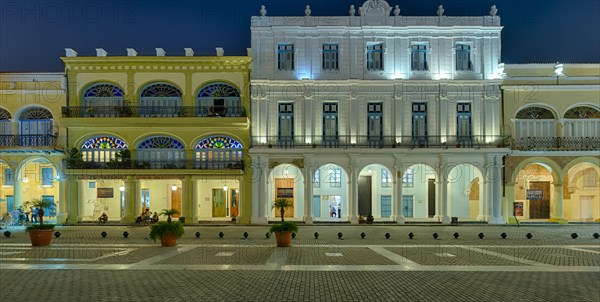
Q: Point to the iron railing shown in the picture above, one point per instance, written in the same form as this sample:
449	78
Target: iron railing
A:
27	140
153	111
357	141
556	143
162	164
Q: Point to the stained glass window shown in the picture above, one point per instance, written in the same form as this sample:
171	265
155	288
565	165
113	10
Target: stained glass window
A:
4	114
103	90
161	90
160	142
218	142
582	112
219	99
36	113
218	90
535	113
104	142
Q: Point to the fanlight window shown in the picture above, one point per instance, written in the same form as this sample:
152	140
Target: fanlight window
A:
218	152
101	148
160	100
582	112
100	98
219	99
36	113
161	152
535	113
5	126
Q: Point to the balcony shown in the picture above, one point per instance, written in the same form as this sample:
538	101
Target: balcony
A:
556	143
380	142
152	111
27	140
161	164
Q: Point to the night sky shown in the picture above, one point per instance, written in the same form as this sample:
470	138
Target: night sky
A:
34	33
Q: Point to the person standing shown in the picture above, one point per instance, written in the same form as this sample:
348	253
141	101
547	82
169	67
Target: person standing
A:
34	214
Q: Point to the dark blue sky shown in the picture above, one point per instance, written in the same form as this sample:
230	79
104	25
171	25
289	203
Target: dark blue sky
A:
34	33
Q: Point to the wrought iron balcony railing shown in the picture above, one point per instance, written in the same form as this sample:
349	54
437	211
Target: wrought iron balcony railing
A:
27	140
357	141
162	164
153	111
556	143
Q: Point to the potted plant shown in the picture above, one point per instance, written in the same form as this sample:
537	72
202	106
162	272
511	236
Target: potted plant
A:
167	231
40	234
283	231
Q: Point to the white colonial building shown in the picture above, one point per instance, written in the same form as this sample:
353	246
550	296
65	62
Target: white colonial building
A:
377	113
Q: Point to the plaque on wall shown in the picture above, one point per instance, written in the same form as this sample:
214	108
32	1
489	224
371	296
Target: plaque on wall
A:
535	194
105	192
285	192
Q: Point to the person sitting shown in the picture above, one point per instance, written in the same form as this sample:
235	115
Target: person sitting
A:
361	218
154	218
139	219
370	219
103	218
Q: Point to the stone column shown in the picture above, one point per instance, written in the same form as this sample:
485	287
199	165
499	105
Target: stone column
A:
18	193
353	197
308	184
61	216
509	200
72	205
261	185
497	193
131	188
81	200
558	213
187	198
488	189
194	207
397	215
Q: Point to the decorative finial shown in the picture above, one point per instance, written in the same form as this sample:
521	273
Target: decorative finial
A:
307	10
352	11
263	11
360	11
440	11
397	10
493	10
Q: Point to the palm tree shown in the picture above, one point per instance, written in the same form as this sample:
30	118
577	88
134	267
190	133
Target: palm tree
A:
40	203
281	204
169	213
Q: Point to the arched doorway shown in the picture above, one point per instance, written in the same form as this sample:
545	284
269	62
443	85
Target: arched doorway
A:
37	178
7	194
287	182
534	192
330	193
418	192
375	190
581	195
464	187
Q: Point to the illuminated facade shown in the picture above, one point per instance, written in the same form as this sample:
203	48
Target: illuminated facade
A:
377	113
157	132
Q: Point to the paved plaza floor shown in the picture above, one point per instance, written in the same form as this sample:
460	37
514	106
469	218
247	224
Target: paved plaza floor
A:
80	265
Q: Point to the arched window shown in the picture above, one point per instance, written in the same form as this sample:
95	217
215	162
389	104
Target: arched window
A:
581	122
537	126
36	127
160	100
100	99
101	148
219	152
5	125
219	99
160	152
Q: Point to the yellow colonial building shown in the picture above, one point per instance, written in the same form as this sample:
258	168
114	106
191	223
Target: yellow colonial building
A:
32	140
157	132
552	112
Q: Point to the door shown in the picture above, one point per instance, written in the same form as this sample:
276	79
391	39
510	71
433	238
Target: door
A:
176	201
330	124
386	206
234	203
463	124
540	209
10	203
218	203
286	124
364	195
375	125
431	197
419	124
316	206
145	200
586	207
407	206
284	188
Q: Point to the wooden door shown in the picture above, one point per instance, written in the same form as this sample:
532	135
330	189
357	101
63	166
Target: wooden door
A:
176	201
284	188
431	197
364	195
218	203
540	209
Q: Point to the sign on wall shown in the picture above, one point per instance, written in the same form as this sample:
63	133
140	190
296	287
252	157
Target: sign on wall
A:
105	192
535	194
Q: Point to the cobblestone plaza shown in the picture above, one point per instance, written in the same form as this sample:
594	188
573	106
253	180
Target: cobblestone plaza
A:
80	265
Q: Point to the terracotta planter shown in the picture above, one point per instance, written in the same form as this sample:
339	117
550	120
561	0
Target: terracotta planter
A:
168	240
40	237
284	239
